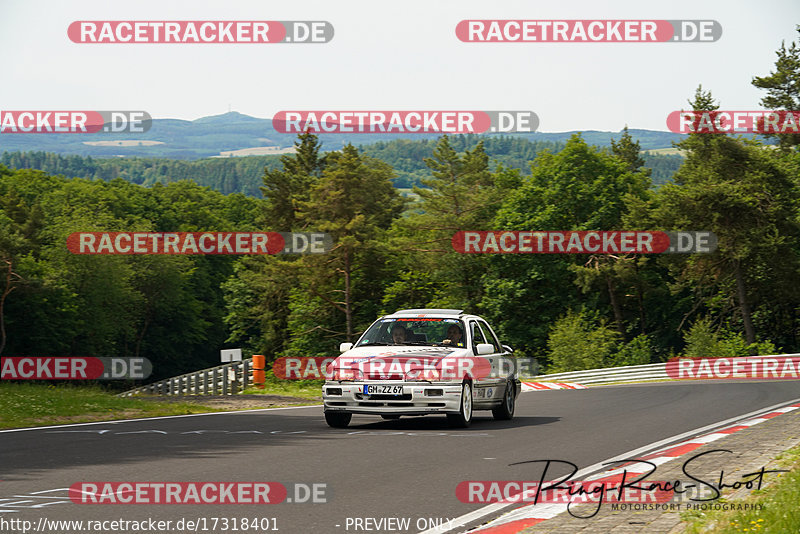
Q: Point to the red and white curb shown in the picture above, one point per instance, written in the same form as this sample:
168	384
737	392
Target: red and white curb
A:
538	386
532	514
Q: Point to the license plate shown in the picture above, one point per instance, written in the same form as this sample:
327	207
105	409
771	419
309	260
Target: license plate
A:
385	390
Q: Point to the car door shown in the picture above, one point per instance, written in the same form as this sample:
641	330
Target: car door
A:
505	365
485	386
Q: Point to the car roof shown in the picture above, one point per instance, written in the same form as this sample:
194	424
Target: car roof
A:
429	311
432	312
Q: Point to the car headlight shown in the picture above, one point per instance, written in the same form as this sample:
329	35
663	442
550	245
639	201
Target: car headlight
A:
422	375
346	373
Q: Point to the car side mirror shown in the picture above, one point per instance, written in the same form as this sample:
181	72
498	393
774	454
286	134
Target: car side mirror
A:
508	349
485	348
344	347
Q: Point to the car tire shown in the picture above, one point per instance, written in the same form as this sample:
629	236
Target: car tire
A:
338	419
505	411
463	418
391	417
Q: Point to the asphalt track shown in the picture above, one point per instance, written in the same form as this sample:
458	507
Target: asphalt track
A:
374	469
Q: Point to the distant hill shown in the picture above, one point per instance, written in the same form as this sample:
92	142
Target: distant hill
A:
227	175
209	136
243	174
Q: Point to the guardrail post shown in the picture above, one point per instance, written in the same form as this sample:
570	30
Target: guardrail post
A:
224	380
245	374
214	381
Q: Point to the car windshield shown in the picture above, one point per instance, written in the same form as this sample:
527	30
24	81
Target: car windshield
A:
415	331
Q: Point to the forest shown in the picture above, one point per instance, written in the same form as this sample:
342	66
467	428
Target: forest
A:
244	174
569	311
394	251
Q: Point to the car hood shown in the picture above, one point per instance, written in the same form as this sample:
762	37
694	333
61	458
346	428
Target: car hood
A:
403	353
390	362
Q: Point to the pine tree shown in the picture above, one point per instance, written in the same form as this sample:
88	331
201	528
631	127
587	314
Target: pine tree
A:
783	87
629	150
286	188
355	202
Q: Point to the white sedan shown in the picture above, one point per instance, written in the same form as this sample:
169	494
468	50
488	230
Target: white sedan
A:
419	362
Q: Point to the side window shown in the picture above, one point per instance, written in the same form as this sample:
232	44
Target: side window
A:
491	337
477	335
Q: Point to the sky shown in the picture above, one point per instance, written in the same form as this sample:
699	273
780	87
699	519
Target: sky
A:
391	56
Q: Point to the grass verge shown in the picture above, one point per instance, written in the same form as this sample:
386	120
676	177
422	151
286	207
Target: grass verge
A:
779	512
306	389
34	404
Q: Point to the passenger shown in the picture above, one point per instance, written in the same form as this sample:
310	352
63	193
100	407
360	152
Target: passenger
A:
454	336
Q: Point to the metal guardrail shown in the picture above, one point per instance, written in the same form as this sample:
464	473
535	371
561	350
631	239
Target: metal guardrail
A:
631	373
228	379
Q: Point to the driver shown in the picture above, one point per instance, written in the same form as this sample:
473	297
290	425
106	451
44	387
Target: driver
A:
399	333
454	336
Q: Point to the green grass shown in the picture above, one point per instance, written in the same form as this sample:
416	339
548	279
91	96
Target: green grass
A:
34	404
780	513
306	389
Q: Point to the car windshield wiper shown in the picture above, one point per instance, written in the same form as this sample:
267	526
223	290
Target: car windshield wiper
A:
375	343
425	343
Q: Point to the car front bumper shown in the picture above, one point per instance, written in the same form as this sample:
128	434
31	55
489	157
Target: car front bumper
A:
418	398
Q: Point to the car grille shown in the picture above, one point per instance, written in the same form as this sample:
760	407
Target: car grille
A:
378	397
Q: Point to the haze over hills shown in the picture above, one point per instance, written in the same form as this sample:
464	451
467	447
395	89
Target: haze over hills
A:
232	131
